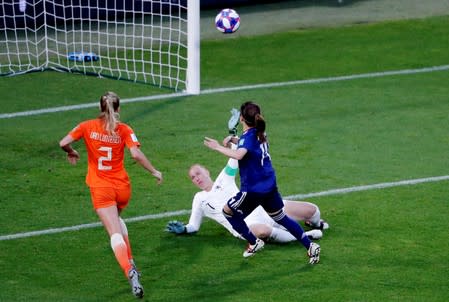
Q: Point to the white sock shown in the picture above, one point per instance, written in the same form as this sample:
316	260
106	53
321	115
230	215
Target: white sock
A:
315	219
314	234
281	236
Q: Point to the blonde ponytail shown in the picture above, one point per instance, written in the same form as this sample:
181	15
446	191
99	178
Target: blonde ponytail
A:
109	104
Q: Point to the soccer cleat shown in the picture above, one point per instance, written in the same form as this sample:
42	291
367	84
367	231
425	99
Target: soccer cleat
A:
136	287
322	226
314	253
234	121
314	234
252	249
135	267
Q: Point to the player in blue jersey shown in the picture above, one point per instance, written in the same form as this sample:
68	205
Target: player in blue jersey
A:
258	183
214	195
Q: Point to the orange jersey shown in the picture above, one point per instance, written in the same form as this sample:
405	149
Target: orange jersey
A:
105	152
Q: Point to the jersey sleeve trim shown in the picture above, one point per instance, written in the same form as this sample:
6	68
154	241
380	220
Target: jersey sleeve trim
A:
230	171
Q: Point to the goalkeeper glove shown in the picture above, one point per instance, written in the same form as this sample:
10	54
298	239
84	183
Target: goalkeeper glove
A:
176	227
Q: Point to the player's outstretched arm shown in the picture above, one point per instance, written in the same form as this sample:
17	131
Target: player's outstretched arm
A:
140	157
176	227
214	145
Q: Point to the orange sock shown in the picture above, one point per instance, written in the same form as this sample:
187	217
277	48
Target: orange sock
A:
120	249
128	246
126	238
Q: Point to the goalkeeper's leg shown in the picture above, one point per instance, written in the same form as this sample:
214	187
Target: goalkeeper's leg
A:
282	236
233	121
271	234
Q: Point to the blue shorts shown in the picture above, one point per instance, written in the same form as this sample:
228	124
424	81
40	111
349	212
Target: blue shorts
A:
246	202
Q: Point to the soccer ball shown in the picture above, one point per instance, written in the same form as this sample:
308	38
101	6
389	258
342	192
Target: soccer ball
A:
227	21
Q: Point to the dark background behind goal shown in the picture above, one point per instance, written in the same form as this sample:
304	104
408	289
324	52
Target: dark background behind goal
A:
12	17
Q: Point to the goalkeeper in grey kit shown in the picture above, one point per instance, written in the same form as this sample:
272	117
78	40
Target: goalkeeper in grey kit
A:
213	196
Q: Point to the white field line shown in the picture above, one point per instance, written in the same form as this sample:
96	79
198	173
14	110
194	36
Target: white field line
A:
221	90
88	225
383	185
183	212
88	105
230	89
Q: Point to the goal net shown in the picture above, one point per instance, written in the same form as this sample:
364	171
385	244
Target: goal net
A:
154	42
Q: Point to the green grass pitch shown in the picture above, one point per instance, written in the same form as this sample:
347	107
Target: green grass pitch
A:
383	245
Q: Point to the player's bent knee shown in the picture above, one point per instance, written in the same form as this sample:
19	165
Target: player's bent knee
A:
261	231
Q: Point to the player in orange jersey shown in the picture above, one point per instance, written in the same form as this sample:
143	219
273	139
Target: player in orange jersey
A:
105	138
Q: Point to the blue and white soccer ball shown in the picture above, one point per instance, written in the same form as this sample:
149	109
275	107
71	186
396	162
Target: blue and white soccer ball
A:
227	21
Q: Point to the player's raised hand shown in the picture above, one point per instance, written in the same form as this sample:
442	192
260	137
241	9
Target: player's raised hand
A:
229	140
211	143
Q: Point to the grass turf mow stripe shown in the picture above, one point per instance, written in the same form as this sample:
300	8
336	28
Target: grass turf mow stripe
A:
183	212
221	90
229	89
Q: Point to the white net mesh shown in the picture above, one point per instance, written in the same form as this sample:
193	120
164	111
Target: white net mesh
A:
139	40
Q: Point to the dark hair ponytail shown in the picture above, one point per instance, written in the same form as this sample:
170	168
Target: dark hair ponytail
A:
252	116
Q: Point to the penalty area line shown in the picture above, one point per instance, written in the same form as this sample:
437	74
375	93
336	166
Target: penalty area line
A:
231	89
347	190
383	185
90	105
89	225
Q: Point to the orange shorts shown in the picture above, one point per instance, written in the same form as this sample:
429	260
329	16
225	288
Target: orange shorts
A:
106	197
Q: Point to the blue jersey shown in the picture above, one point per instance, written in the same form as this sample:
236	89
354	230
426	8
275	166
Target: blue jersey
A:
256	172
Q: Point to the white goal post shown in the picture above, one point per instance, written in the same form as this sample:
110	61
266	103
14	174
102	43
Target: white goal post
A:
149	41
